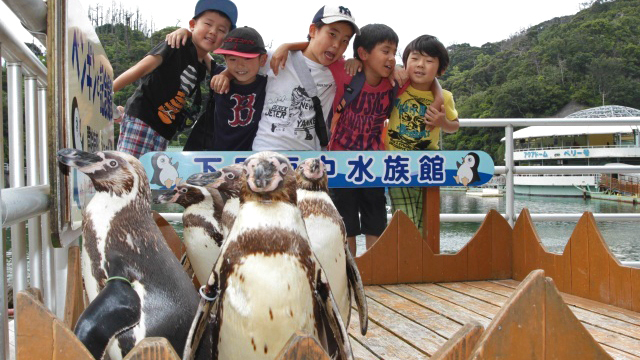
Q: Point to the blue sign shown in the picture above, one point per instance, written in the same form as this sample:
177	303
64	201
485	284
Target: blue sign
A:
344	168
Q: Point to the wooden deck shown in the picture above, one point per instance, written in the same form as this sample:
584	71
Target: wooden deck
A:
413	321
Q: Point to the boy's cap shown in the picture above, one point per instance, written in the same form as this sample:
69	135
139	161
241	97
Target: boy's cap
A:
329	14
226	7
245	42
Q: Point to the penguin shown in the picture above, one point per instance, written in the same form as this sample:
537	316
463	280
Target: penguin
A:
202	234
135	284
468	170
228	182
164	172
267	283
328	238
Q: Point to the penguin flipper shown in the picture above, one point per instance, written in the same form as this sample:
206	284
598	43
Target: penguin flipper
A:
355	283
329	307
116	308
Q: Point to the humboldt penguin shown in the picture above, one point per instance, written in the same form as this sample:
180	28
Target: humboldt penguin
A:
328	238
135	284
228	182
202	233
267	283
468	170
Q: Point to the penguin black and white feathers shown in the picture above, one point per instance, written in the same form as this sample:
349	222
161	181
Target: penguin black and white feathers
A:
136	285
468	171
164	172
267	273
202	234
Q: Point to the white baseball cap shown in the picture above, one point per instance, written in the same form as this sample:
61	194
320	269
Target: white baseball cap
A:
329	14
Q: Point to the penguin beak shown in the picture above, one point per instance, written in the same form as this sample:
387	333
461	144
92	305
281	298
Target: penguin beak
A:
166	197
203	179
77	158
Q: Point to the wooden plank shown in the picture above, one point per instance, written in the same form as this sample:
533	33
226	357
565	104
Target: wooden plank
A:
501	246
170	235
301	346
385	255
607	323
364	264
461	344
564	276
491	287
617	354
518	266
153	348
360	352
74	299
616	341
635	289
436	322
580	259
619	285
431	204
599	258
506	336
477	293
454	267
564	336
469	303
409	251
479	259
383	343
440	306
409	331
40	335
533	250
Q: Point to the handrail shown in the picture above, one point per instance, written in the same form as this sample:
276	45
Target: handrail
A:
609	121
23	203
14	50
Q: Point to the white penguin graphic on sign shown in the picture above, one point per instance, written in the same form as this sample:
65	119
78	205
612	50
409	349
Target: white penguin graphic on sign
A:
468	170
164	172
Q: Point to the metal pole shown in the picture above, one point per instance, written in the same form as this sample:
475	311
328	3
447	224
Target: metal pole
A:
31	128
508	161
4	326
16	172
49	279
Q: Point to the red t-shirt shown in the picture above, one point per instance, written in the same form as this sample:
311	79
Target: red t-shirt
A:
361	123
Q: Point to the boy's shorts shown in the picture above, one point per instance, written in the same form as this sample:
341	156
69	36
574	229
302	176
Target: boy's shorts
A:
409	200
362	209
137	138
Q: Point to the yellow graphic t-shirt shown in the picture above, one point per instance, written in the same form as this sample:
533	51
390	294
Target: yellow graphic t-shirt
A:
407	128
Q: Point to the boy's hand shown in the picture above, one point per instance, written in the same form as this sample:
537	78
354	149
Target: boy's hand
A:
117	117
353	66
178	37
399	75
220	84
279	59
435	117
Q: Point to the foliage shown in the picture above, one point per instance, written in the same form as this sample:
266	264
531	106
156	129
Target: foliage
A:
592	58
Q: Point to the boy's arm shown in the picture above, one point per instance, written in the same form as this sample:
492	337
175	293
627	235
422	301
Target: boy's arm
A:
178	37
221	82
438	98
279	57
142	68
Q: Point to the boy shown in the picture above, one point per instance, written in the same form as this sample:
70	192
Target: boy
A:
414	124
237	113
154	112
360	127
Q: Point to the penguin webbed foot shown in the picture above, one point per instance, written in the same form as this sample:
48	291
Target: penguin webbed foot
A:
116	308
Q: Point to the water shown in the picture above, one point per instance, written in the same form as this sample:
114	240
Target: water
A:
622	237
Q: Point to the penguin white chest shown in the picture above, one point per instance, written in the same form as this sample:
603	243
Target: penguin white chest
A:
266	299
465	171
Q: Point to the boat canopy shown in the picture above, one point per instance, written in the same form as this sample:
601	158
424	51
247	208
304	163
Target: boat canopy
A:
547	131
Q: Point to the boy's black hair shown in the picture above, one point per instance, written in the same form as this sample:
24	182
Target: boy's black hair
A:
320	24
372	35
428	45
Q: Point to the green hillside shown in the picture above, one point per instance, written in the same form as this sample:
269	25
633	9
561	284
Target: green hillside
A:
591	58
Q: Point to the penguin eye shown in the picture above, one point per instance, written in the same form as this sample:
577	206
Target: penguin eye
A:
162	160
230	176
113	163
183	190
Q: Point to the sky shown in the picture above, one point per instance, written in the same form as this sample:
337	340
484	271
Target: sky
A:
452	21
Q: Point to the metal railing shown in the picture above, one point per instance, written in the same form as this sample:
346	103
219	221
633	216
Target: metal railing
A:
27	121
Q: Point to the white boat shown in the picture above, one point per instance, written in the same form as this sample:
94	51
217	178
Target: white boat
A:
574	145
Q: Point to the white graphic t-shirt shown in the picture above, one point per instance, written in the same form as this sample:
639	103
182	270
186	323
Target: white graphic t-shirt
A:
288	117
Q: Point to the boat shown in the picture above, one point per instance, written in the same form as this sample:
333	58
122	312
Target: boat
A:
485	192
576	146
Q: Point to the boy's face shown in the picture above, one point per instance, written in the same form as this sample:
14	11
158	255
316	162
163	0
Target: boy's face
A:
422	68
329	42
244	70
209	30
381	60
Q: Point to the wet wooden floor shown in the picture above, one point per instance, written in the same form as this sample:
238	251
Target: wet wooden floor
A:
413	321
